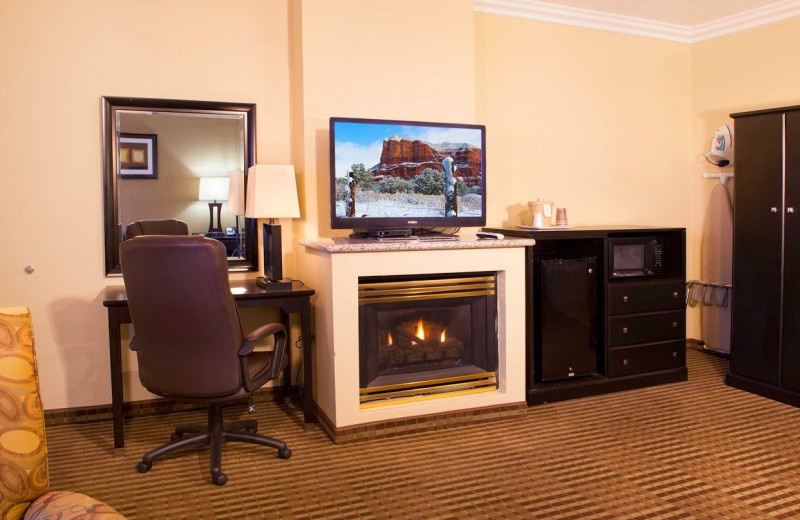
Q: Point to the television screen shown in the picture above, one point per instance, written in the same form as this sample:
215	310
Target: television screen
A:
404	174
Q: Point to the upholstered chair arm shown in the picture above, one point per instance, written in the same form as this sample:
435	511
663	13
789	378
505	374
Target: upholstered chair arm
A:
277	330
68	505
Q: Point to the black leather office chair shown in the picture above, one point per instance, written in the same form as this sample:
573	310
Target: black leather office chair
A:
169	226
189	340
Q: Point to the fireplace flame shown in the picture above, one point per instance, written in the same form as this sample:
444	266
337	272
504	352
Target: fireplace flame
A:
389	339
443	337
420	330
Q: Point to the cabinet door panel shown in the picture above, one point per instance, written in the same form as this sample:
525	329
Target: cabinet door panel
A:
755	338
790	345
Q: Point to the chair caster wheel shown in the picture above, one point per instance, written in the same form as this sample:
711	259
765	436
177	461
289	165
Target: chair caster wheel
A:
285	453
175	436
219	479
144	467
252	430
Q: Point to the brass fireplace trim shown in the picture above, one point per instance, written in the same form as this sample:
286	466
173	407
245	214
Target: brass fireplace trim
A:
414	290
429	389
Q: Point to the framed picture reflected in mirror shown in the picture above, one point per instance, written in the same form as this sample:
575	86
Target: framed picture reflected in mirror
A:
138	156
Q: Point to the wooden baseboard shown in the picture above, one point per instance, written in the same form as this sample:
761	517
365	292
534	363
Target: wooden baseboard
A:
86	414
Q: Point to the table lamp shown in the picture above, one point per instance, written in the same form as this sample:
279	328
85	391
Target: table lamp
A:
272	193
236	205
214	189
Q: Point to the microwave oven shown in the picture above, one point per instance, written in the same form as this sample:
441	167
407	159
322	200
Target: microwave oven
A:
635	256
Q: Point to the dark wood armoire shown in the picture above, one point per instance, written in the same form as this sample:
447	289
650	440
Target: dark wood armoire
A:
765	339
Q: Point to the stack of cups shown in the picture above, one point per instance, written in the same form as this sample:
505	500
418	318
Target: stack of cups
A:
561	217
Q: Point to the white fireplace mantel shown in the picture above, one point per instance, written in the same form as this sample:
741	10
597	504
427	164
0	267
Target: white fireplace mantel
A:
332	267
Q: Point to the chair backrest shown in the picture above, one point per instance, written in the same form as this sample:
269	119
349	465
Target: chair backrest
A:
168	226
24	454
187	329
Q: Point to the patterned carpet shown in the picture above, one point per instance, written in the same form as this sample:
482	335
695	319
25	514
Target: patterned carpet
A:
696	449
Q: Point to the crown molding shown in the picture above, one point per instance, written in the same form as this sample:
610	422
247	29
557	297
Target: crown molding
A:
545	12
746	20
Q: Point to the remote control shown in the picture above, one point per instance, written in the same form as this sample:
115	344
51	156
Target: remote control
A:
487	234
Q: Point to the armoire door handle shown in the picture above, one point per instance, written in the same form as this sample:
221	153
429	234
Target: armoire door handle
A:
773	209
790	210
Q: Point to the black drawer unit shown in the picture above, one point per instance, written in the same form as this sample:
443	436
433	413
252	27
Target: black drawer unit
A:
646	326
629	324
650	357
631	329
645	296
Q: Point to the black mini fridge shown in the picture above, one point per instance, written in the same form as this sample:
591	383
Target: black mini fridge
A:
565	318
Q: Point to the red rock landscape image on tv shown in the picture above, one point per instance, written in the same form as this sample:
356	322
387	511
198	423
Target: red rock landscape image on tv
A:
397	170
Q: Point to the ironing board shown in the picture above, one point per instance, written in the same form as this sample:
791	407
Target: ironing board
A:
717	268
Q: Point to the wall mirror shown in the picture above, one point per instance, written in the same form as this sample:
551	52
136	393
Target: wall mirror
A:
167	158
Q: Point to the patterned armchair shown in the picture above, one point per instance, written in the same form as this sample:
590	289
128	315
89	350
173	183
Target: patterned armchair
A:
24	478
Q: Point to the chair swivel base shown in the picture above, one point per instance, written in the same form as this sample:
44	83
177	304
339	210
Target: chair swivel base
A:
213	435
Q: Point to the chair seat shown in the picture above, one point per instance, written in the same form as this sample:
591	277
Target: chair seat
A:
258	364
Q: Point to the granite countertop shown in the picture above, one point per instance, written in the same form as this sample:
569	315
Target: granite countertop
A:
361	245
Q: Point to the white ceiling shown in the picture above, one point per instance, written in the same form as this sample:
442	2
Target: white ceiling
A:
679	20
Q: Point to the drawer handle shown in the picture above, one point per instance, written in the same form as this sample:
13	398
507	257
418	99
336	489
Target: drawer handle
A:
674	324
625	299
675	294
624	330
625	361
675	355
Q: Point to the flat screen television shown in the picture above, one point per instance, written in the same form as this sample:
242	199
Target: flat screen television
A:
406	177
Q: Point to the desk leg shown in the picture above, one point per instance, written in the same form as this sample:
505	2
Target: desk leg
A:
287	373
308	381
115	354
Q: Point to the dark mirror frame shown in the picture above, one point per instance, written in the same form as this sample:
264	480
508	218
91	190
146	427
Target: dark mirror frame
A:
113	232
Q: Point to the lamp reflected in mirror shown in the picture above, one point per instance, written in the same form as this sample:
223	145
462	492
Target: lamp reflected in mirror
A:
272	193
214	189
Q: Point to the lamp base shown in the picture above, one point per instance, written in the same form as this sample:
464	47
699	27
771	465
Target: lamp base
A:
277	285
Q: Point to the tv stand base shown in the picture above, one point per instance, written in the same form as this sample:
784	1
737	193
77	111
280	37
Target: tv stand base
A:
382	233
401	235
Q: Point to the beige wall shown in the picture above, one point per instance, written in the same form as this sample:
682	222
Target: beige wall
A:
610	126
598	122
58	59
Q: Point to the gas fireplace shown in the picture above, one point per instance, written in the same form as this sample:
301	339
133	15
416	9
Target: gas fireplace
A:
426	336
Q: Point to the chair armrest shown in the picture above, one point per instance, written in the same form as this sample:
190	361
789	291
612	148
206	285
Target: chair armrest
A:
276	366
68	505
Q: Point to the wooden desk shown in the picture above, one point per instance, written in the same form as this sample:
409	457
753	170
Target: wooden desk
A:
247	294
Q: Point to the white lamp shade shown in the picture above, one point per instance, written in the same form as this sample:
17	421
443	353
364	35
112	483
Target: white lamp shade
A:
236	193
213	188
271	192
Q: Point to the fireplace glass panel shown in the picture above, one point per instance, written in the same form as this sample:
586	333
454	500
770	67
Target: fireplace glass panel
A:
416	339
